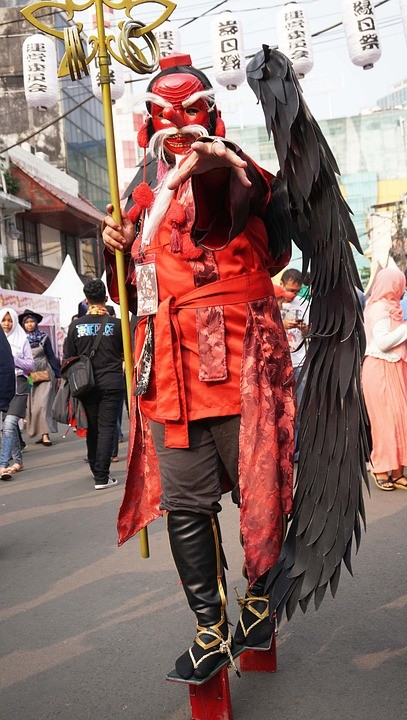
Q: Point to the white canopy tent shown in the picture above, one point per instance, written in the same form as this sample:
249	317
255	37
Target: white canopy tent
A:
68	288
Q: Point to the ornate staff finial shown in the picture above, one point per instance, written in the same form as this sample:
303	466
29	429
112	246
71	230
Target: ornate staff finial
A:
75	60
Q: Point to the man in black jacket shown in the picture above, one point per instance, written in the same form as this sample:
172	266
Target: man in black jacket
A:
7	373
102	402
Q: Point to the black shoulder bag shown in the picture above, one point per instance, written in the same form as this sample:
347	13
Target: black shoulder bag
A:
79	371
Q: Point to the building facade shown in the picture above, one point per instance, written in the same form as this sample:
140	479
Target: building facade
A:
67	138
371	151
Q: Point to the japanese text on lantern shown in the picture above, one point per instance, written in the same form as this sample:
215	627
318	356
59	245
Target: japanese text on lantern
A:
36	61
229	47
363	8
168	38
166	41
112	77
296	35
366	24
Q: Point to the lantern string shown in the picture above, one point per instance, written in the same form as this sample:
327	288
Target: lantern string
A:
198	17
132	80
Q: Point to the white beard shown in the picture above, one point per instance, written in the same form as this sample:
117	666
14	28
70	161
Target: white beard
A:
156	144
163	194
159	208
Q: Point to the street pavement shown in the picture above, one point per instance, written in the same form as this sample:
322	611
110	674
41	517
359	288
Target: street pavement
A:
89	630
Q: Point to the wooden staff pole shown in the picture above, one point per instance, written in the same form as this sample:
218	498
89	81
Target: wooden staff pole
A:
103	58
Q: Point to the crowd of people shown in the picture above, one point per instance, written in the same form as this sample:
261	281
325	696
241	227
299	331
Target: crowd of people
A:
384	367
31	379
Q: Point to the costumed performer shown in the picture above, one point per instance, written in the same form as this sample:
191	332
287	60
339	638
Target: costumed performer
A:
203	231
216	392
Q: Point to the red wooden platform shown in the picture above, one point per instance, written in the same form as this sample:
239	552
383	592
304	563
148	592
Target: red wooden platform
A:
210	699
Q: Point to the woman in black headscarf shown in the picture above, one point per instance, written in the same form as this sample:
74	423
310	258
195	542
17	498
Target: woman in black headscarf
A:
39	417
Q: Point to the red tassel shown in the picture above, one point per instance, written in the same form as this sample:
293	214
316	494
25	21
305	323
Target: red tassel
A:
175	240
189	250
134	213
143	196
176	214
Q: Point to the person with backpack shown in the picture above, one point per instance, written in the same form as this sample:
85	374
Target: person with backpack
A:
102	402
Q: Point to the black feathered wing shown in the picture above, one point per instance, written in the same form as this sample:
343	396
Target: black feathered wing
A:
333	434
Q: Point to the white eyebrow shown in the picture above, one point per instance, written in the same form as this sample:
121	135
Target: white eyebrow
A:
205	94
152	97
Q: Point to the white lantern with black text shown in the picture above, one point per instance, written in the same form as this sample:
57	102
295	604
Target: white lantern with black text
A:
40	71
116	72
403	10
294	37
168	38
227	51
362	37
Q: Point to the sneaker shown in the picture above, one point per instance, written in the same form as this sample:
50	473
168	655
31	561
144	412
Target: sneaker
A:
110	483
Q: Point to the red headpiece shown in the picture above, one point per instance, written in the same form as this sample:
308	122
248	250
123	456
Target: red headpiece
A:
177	81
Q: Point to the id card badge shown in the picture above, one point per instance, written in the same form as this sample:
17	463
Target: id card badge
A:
147	291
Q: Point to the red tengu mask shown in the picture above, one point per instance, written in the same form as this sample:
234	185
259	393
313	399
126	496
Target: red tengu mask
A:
182	106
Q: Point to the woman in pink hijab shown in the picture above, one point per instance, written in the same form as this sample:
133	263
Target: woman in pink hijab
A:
384	379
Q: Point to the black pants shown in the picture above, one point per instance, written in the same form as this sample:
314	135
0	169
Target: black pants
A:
101	407
191	477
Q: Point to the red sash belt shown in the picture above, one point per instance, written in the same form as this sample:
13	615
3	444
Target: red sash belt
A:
171	400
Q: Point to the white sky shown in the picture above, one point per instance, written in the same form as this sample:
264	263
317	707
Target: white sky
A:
334	88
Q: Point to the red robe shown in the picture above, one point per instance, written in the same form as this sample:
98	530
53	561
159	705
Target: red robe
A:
220	349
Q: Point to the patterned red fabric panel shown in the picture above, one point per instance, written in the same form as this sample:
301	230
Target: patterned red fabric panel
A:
205	269
210	324
266	445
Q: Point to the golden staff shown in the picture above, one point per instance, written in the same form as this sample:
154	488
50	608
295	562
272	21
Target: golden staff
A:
75	62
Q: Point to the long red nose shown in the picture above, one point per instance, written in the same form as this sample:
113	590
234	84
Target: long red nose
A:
174	116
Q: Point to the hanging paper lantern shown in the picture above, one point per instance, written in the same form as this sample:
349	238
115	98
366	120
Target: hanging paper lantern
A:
360	25
403	10
294	37
168	38
116	72
227	51
116	69
40	71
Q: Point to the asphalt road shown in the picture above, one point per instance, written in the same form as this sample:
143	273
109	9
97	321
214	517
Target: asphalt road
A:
88	630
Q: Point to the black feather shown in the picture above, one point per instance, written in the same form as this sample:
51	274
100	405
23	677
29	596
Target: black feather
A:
333	434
